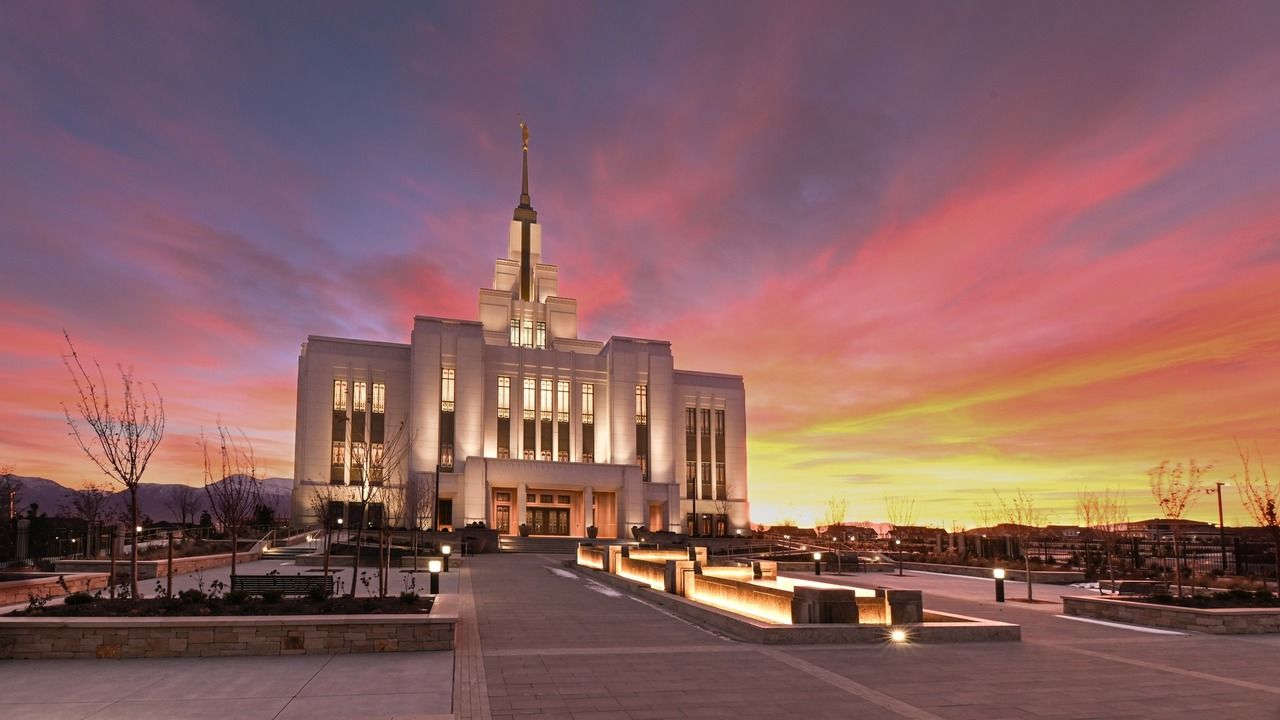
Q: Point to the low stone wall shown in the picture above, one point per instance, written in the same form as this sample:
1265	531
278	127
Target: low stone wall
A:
18	591
740	596
1047	577
30	638
150	569
654	574
593	557
1242	621
939	627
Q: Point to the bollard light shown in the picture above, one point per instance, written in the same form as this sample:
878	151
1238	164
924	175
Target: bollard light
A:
446	551
138	528
433	567
998	574
898	635
817	563
898	542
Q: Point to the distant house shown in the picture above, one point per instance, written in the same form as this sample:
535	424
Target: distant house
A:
1162	529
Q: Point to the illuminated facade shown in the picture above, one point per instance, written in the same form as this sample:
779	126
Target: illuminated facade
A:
525	422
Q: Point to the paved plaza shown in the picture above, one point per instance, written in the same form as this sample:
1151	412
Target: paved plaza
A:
539	641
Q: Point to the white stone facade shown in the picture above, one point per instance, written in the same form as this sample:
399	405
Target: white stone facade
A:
605	440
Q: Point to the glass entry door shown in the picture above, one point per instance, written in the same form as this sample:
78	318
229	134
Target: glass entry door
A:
548	521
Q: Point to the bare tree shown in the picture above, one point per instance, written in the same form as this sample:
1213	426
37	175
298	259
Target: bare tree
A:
1174	488
420	501
901	510
1260	497
836	511
371	473
184	502
235	493
1105	516
10	491
1025	521
319	503
90	504
119	440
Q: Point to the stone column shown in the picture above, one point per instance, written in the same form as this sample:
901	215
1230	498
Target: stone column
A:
588	515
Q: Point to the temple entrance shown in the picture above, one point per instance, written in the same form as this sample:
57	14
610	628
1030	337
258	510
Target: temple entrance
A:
548	521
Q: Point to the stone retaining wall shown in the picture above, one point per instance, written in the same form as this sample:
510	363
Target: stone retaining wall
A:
1242	621
1047	577
30	638
150	569
17	591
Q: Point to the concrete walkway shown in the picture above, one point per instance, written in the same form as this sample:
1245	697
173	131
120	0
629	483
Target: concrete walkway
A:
557	645
538	641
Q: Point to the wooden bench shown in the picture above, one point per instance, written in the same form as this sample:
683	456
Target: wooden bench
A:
282	584
1135	587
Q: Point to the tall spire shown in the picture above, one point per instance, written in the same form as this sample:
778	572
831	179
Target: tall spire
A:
526	216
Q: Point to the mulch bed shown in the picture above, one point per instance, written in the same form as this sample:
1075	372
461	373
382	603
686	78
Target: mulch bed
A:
222	606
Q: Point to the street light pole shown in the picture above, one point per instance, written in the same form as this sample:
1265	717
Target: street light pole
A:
898	543
435	512
1222	532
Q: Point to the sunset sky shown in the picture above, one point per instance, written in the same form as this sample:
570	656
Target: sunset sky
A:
952	247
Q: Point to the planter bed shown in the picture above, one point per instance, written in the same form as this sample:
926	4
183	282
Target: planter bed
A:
1231	621
135	637
219	607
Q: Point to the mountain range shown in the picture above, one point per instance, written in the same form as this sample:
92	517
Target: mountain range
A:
53	498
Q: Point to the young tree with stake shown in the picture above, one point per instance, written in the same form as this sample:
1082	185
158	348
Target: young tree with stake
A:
1260	497
1174	488
119	439
233	496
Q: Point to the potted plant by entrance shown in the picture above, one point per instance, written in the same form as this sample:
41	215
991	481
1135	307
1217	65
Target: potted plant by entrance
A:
524	530
592	531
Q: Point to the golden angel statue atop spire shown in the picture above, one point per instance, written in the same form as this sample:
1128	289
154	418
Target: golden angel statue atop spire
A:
524	135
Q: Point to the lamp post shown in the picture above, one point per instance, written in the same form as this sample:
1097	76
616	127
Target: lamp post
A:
433	567
898	544
339	529
435	512
998	574
817	563
446	551
1222	532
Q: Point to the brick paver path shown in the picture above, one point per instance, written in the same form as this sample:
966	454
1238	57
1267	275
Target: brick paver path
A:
552	644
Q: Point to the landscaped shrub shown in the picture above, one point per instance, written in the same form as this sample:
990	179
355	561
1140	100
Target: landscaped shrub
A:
236	597
317	594
408	597
79	598
192	596
271	597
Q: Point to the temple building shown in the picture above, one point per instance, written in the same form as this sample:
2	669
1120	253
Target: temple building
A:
512	419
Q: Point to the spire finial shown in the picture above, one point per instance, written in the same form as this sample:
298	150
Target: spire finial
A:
524	177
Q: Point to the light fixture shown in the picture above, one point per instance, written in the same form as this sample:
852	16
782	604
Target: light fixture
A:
433	567
898	635
817	563
445	552
998	574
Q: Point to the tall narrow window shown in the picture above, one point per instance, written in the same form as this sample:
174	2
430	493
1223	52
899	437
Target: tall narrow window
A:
690	452
705	417
515	332
642	431
528	447
340	395
338	463
445	456
544	415
642	404
358	458
562	420
690	478
376	462
721	487
360	396
542	335
447	376
504	417
378	424
526	333
588	423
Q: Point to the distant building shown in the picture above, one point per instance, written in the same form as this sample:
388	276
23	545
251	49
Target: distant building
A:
520	421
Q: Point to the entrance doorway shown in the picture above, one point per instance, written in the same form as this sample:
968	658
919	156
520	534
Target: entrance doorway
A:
548	521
